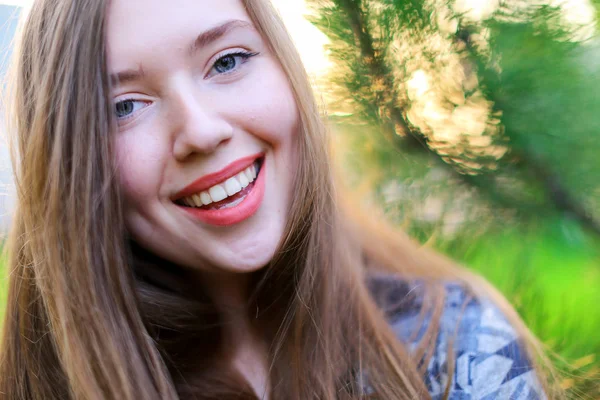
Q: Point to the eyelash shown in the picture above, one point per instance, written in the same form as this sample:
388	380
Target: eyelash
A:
245	55
126	101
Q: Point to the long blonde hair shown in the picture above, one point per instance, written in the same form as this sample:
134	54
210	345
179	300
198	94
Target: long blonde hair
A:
92	315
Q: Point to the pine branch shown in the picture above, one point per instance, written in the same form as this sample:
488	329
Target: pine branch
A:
556	192
393	118
381	77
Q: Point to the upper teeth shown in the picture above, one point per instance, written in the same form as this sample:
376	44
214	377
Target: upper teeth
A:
221	191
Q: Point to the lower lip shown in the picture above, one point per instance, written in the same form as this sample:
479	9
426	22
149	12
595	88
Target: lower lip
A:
239	213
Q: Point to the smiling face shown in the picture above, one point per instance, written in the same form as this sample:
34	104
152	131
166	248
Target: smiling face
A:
207	127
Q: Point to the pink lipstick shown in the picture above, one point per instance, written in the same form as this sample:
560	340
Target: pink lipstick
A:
224	210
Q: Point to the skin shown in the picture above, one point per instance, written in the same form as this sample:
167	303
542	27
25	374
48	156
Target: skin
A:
184	119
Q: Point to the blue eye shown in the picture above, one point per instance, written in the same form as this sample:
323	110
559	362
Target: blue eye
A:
126	108
229	62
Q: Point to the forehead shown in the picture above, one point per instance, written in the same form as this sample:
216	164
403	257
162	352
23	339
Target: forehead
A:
137	26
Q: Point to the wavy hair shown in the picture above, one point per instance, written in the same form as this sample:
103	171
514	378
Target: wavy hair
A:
91	315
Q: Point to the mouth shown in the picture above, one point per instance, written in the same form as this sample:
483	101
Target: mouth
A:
236	196
226	194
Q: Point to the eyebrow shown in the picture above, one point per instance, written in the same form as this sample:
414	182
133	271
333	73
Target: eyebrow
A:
129	75
213	34
203	40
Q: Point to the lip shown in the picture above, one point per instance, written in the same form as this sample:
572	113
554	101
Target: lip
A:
239	213
210	180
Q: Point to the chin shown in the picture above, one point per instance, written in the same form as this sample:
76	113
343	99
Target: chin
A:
252	255
251	261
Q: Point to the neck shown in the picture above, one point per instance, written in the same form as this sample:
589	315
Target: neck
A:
230	293
243	346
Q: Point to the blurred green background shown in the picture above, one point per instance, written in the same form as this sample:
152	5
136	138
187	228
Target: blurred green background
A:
473	124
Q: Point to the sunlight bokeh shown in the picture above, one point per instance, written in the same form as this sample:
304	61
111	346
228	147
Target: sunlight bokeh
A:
309	40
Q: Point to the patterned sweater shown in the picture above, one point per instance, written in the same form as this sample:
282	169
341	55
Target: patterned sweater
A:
489	360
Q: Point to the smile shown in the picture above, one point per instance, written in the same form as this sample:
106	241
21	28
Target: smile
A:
224	191
226	197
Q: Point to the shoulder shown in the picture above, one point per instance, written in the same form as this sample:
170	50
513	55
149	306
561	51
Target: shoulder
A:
486	357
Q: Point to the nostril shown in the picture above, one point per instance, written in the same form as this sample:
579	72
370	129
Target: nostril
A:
199	131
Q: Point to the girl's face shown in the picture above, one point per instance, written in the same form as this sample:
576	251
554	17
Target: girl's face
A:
207	127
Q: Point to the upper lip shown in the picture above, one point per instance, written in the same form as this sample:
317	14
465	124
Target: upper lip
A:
210	180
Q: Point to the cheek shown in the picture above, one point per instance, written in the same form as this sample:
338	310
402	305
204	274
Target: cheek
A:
269	109
280	120
139	163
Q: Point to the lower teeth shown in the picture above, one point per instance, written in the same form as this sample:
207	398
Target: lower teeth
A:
234	203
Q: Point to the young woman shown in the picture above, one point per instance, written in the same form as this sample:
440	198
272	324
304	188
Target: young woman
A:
178	234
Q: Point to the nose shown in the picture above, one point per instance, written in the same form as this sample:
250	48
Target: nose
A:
198	127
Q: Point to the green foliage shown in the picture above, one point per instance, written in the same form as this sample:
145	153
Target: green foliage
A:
532	85
544	86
